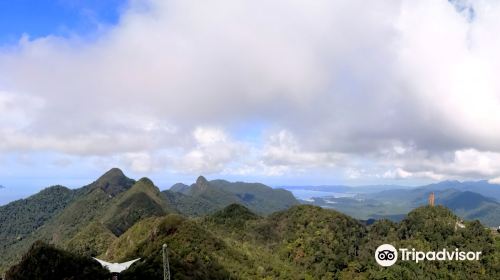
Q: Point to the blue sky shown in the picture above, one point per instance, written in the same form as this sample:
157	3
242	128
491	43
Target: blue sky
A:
284	93
40	18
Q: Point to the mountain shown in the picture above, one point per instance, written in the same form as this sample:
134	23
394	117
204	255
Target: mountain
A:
2	187
467	204
180	187
56	215
206	196
43	261
481	187
470	205
90	240
394	204
93	237
213	232
346	189
112	182
303	242
142	200
89	219
465	201
193	206
233	216
22	217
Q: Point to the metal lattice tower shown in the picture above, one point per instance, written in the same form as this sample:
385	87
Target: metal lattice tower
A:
166	265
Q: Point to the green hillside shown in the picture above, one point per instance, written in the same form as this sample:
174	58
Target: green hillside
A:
19	220
188	205
43	261
24	216
213	232
473	206
87	220
304	242
142	200
91	240
112	182
75	211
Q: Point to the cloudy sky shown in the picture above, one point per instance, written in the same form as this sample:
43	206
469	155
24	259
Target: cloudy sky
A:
282	92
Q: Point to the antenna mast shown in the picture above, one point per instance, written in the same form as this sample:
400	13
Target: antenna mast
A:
166	265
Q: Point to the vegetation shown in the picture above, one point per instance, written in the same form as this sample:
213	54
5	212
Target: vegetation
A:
233	216
22	217
188	205
56	215
92	240
394	204
87	220
19	219
304	242
297	242
43	261
141	201
112	182
206	197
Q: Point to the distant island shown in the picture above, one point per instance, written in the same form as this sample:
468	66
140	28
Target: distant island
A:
2	187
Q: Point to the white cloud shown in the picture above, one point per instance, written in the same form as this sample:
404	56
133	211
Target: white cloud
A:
400	88
494	181
283	149
143	162
214	150
400	173
397	173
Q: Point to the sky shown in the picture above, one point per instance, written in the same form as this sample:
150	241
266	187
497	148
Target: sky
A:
281	92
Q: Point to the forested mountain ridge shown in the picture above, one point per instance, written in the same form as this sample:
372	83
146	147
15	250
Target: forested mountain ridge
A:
213	232
303	242
217	194
112	182
76	209
21	218
87	220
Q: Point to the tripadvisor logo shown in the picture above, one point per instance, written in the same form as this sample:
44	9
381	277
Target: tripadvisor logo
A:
387	255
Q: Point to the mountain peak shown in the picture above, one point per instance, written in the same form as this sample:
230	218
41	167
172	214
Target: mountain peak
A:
466	200
145	185
146	180
111	175
180	187
113	182
115	171
201	185
201	181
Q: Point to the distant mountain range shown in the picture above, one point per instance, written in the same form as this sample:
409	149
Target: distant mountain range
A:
2	187
470	200
90	218
204	197
347	189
